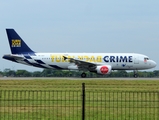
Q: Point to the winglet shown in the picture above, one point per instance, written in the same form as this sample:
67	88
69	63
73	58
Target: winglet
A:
65	57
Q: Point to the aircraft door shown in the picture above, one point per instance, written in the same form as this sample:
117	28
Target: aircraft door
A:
136	59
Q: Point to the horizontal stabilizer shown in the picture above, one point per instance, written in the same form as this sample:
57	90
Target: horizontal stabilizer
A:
11	57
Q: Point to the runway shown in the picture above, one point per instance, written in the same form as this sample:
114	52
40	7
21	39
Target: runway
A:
71	78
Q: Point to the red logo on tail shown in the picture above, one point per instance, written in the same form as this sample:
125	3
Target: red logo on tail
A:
104	69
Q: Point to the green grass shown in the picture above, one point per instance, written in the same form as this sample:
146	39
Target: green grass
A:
118	85
61	99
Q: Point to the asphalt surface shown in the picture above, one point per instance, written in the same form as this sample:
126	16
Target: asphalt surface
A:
71	78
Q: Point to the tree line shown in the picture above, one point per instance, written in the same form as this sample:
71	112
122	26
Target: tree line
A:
63	73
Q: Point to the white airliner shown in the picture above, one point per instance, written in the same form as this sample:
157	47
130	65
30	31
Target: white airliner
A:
100	63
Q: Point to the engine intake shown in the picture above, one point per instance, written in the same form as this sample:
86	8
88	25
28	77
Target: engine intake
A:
105	69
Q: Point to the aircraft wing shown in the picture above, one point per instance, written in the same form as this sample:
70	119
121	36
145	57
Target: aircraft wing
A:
82	64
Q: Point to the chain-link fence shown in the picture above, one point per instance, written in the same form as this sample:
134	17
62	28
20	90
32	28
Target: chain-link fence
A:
78	104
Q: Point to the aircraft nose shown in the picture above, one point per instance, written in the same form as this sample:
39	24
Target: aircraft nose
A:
153	64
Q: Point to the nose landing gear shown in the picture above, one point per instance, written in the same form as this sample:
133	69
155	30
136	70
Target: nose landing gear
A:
135	74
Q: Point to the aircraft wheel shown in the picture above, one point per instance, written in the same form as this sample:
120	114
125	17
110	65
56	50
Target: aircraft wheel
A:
83	75
135	75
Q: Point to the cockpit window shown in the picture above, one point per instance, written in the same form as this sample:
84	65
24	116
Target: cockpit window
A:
145	59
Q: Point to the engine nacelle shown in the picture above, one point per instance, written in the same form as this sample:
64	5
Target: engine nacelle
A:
73	67
104	69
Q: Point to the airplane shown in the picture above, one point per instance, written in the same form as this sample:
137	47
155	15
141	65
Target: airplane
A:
100	63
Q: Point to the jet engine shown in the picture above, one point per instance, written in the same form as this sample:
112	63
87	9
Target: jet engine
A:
104	69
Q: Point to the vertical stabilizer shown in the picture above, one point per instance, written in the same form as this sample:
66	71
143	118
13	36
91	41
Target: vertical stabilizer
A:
17	45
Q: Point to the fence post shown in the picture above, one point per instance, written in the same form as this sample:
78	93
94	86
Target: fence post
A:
83	101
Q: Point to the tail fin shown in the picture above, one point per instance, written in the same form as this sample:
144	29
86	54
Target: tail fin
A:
17	45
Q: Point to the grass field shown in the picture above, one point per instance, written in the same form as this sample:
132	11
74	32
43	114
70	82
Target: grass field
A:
61	99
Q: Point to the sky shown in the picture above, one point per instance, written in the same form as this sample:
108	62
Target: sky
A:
104	26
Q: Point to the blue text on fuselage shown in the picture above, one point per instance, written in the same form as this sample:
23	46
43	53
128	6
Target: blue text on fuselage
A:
118	59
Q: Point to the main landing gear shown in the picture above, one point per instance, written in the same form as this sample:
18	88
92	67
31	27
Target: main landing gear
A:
135	74
83	75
